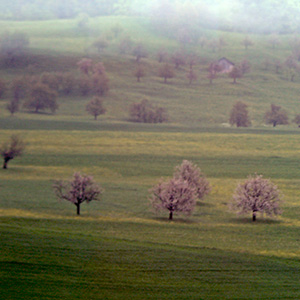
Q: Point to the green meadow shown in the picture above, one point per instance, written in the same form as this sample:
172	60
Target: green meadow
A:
118	248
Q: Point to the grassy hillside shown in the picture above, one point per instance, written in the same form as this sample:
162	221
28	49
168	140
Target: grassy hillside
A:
119	248
58	45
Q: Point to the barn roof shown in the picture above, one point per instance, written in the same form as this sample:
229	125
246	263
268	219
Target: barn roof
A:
227	60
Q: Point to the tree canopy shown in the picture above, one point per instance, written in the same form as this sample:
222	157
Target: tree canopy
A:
81	188
257	194
11	149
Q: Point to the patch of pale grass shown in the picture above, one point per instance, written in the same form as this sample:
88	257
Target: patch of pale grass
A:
37	173
150	143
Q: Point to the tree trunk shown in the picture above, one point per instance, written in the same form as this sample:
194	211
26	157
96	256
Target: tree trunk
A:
5	163
171	215
165	81
78	208
254	216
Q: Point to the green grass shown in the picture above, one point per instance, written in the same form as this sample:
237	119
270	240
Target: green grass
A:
58	45
119	248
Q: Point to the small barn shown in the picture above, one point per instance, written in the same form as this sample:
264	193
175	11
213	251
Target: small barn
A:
225	65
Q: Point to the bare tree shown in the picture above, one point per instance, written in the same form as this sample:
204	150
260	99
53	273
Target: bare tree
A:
178	58
116	30
95	107
239	115
276	116
192	60
247	42
174	195
3	87
235	73
162	55
139	52
191	76
257	194
100	44
292	66
41	98
19	88
192	174
166	71
297	120
213	45
81	188
278	65
213	69
13	106
139	73
11	149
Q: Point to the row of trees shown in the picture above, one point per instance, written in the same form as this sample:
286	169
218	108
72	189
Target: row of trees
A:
181	57
178	194
40	92
145	112
276	115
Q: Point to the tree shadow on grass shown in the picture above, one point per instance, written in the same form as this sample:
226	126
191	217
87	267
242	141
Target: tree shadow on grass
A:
204	204
259	220
31	112
176	220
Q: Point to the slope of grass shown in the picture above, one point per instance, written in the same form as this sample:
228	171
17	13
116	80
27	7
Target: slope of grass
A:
118	248
58	45
79	262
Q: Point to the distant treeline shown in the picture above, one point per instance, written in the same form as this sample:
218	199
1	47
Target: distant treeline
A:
53	9
263	16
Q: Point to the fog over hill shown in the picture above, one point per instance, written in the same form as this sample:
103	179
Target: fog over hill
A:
263	16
